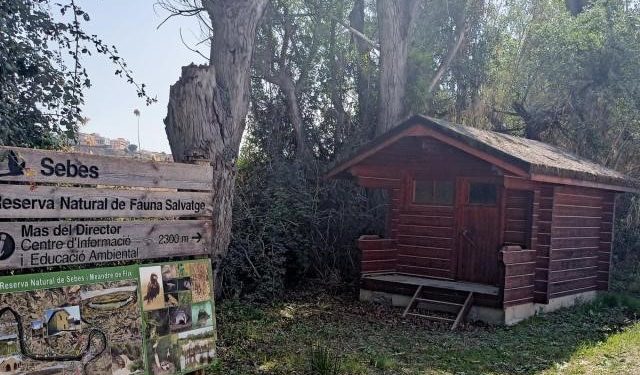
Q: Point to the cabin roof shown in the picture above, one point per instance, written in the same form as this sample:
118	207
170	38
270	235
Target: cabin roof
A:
535	160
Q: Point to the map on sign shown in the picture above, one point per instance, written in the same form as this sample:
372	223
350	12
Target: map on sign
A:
138	319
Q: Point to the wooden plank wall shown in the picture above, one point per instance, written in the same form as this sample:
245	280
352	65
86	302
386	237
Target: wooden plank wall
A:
378	254
606	239
543	204
426	241
575	240
393	216
424	233
519	275
517	229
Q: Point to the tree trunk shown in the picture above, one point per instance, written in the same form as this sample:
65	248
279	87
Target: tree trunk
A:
364	67
288	87
395	23
209	103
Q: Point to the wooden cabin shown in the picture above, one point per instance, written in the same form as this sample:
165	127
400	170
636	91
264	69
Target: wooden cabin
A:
484	224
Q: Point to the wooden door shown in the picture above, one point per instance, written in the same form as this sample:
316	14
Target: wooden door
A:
478	243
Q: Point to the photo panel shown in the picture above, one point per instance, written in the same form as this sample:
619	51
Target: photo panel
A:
152	289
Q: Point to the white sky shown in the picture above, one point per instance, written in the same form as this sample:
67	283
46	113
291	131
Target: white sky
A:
156	58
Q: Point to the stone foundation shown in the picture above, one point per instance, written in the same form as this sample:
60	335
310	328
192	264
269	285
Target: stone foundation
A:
508	316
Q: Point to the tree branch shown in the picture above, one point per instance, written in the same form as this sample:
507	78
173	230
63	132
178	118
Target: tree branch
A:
450	56
358	34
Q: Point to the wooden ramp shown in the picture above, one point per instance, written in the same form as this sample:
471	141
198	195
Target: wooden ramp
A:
461	309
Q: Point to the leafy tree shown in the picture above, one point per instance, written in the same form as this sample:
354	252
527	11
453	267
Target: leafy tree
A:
41	73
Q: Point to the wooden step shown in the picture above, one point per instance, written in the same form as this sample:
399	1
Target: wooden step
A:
433	317
438	302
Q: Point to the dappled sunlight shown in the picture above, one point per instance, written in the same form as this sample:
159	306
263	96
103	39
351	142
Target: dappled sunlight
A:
288	311
268	366
619	353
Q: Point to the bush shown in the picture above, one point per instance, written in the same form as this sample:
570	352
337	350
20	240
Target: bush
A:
322	361
290	224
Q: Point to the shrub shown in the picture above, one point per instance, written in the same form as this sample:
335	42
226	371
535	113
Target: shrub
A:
322	361
289	224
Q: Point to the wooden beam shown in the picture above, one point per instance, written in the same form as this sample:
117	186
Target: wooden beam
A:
413	300
518	183
31	166
463	311
575	182
363	155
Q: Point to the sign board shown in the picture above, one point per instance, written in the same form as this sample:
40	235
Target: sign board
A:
104	209
29	244
62	209
24	201
31	166
138	319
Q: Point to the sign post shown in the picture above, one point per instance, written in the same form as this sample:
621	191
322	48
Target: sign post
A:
70	209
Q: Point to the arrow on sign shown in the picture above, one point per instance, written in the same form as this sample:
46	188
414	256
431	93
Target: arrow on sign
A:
197	237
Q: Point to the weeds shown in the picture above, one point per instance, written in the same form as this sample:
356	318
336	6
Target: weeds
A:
322	361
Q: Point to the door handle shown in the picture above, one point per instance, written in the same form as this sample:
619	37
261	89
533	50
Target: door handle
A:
466	235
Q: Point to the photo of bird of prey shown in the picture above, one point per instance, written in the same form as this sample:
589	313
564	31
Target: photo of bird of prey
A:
152	290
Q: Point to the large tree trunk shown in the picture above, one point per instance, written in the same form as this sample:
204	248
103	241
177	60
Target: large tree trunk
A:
395	23
208	106
364	68
288	87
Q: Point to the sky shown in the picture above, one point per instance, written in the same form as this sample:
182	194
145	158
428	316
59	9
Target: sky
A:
154	55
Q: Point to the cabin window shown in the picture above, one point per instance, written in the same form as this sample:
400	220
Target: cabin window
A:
483	193
433	192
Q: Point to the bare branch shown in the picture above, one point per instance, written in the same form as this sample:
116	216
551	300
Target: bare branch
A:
450	56
358	34
192	49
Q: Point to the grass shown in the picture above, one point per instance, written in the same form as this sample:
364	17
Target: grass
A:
599	338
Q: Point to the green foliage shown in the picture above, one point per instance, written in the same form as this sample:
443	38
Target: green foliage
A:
322	361
289	224
382	361
41	74
618	300
214	368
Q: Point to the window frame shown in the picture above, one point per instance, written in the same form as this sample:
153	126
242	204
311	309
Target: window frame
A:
488	183
414	185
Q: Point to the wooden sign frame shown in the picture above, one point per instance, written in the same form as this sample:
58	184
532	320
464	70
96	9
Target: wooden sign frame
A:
155	209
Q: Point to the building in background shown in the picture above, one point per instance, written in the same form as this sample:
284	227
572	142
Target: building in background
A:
119	144
94	143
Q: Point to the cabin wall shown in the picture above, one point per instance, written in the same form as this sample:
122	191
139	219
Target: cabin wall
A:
517	222
543	207
425	234
426	241
580	240
606	240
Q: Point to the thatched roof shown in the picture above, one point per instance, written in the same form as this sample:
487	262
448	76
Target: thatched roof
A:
536	158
